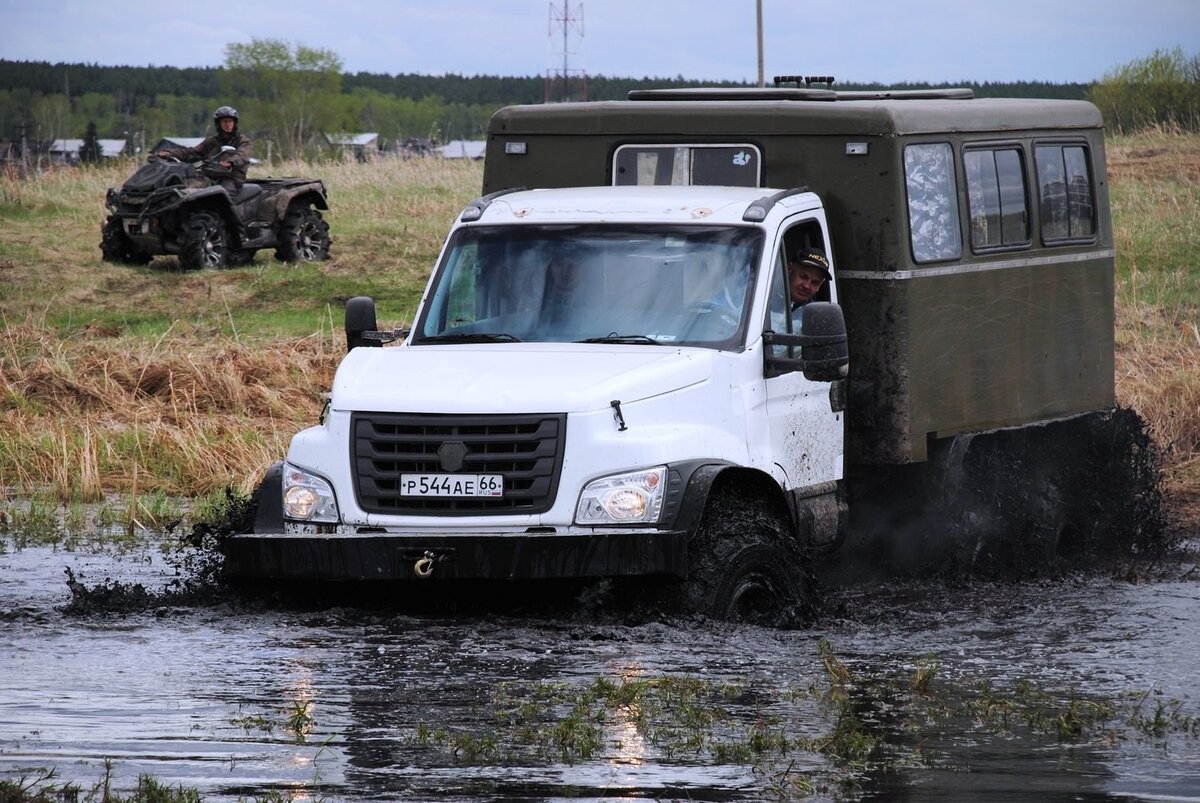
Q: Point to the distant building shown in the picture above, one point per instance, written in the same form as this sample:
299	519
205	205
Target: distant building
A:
464	149
176	142
67	150
415	146
363	146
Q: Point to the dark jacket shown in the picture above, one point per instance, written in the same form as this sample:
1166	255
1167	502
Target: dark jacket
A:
210	148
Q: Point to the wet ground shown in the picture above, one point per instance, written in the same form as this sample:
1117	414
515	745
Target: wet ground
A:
1076	687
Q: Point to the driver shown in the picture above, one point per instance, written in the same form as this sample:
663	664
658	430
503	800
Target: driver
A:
235	161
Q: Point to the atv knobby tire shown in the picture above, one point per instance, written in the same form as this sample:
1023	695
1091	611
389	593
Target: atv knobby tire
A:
744	565
115	245
303	237
205	242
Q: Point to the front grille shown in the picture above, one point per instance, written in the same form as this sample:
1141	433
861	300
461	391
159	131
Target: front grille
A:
525	449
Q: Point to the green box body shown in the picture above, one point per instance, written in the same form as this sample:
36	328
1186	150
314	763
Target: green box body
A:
991	338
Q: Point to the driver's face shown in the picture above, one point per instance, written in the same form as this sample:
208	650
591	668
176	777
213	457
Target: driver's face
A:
804	282
227	124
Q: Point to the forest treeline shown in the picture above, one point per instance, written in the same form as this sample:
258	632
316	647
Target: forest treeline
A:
290	94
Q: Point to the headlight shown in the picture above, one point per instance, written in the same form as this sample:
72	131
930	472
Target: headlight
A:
630	498
307	497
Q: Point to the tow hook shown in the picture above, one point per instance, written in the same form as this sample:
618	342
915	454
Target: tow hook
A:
423	568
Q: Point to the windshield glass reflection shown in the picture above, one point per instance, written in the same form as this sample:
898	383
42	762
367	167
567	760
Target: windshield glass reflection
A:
618	284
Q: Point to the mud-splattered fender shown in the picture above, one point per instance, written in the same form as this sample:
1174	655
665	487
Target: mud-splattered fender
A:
702	477
268	499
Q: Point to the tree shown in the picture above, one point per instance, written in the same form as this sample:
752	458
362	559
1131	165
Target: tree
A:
294	89
51	118
1161	89
90	151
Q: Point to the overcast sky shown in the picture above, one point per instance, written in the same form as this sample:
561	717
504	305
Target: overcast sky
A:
854	40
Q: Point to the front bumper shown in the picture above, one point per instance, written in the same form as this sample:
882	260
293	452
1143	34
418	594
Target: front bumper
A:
423	558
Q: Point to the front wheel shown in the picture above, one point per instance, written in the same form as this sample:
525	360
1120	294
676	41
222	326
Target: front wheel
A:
745	566
205	242
303	237
115	245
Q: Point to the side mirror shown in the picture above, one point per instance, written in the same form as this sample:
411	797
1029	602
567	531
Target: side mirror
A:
360	319
227	149
824	352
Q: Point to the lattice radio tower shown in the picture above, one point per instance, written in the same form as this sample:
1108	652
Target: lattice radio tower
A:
564	82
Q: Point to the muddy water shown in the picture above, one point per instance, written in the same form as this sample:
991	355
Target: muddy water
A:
1080	688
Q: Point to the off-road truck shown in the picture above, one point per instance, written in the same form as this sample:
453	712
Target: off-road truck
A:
603	379
173	207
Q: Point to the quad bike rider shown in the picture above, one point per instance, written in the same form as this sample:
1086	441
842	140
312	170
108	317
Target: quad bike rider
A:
216	152
196	203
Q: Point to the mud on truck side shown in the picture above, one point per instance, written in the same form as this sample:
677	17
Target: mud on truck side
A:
605	379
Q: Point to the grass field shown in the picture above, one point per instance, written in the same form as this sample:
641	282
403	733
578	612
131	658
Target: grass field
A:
130	381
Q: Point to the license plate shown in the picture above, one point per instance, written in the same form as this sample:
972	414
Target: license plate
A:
452	485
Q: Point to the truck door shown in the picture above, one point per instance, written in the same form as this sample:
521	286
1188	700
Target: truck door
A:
806	434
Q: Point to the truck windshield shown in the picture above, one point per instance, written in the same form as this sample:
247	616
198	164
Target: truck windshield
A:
643	285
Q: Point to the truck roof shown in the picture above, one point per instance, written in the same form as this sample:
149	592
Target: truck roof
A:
644	204
777	112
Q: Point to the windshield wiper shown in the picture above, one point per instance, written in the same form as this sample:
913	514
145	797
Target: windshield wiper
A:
471	337
615	338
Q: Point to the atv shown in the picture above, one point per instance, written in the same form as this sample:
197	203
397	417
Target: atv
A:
173	207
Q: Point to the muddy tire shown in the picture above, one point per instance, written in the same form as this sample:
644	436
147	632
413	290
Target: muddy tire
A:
205	242
303	237
115	245
745	566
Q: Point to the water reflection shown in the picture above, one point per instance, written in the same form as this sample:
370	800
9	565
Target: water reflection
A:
345	704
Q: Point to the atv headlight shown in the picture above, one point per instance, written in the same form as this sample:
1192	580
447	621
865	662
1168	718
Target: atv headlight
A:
631	498
307	497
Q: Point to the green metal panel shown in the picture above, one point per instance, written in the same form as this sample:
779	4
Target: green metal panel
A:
996	339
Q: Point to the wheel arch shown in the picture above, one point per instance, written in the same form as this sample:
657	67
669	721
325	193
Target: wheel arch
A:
703	480
268	498
300	196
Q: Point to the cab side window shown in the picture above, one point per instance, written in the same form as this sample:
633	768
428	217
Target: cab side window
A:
782	314
778	318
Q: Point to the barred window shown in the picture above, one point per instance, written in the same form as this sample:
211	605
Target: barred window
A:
997	198
1066	193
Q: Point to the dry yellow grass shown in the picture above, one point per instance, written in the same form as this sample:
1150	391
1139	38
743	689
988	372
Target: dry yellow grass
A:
185	416
1155	188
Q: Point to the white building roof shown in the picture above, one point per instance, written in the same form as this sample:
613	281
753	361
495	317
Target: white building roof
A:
464	149
108	147
352	139
183	142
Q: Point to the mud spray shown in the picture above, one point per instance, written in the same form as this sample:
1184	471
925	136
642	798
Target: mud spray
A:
1014	503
